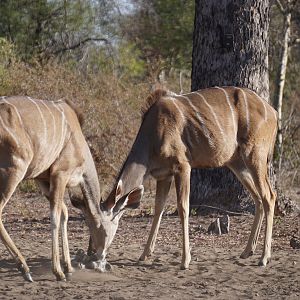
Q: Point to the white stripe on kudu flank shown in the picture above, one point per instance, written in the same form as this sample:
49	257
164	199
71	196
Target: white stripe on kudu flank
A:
16	110
231	108
53	144
65	121
246	109
201	121
42	118
263	102
213	113
18	114
9	132
177	107
63	129
188	139
7	129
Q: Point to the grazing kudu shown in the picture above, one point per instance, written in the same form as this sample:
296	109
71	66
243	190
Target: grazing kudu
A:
210	128
43	140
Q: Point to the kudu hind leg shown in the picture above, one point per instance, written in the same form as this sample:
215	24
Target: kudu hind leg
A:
182	183
256	164
162	190
45	188
269	198
8	184
255	230
68	270
246	178
57	189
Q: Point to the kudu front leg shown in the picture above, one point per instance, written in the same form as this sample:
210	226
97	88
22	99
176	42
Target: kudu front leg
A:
182	183
8	183
162	190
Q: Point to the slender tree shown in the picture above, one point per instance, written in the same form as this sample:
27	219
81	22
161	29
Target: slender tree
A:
230	47
287	9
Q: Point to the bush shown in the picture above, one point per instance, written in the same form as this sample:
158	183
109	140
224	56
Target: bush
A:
111	107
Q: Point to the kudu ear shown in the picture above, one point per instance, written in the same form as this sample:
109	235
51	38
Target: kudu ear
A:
119	190
131	200
135	197
113	199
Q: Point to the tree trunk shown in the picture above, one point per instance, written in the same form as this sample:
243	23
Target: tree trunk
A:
280	81
230	47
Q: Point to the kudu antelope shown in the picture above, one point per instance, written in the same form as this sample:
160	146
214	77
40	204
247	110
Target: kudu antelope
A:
210	128
43	140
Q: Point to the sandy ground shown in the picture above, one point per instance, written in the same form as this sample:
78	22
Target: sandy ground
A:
216	271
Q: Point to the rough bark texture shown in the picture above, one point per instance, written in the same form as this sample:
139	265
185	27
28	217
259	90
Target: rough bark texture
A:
230	47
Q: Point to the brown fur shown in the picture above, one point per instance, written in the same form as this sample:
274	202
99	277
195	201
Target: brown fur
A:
41	141
214	127
152	99
77	111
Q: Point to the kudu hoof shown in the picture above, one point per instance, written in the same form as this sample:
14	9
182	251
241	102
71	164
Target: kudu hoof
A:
264	261
27	277
68	276
61	277
26	274
100	266
245	254
143	258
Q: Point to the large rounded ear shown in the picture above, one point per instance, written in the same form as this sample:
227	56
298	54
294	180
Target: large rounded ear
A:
113	197
131	200
119	190
135	197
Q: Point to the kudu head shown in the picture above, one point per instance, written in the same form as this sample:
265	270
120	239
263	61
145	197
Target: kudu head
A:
109	214
113	208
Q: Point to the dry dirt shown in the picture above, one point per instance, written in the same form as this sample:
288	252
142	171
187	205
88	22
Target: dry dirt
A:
216	271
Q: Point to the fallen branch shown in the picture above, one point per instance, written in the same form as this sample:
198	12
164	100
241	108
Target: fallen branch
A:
221	209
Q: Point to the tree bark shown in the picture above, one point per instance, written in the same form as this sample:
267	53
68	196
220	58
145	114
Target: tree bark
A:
230	47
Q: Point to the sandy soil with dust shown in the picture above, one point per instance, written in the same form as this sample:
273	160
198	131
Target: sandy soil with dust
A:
216	271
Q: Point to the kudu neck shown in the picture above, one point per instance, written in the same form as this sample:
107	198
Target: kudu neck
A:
135	167
92	177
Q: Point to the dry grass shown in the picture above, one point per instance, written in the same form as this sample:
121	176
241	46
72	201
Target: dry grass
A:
111	108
